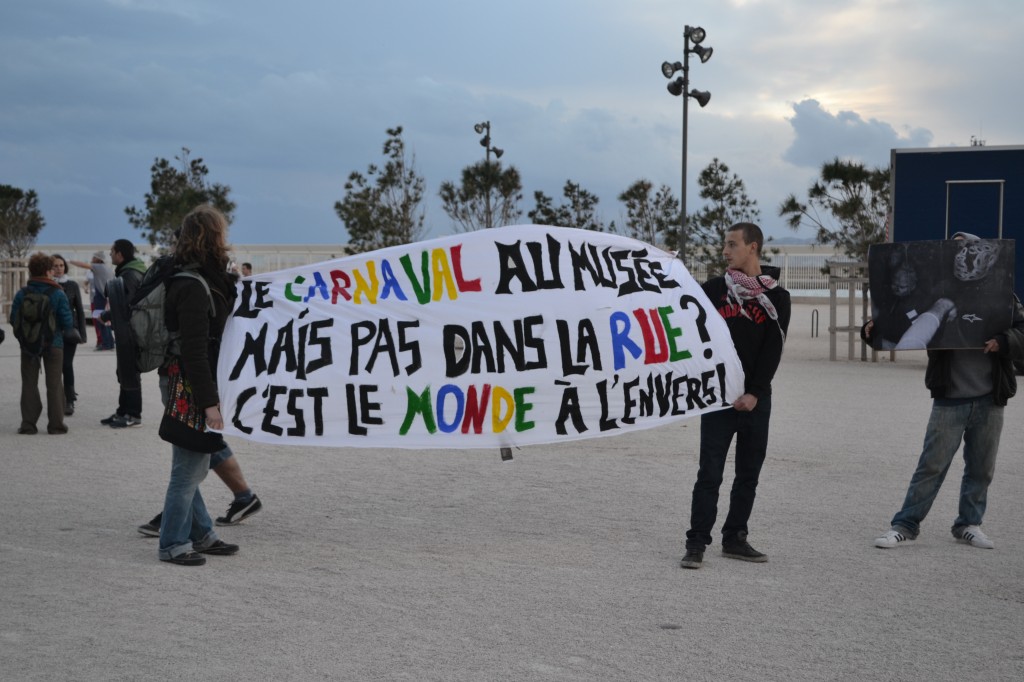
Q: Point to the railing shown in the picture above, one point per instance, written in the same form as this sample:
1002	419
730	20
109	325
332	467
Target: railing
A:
264	258
801	273
13	276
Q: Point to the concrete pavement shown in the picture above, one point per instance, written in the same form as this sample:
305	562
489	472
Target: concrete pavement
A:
559	565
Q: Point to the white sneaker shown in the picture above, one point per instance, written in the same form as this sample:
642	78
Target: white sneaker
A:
974	536
891	538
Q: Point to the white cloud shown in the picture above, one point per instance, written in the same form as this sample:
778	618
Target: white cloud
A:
845	135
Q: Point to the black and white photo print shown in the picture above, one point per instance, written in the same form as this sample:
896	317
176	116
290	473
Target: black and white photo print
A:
955	293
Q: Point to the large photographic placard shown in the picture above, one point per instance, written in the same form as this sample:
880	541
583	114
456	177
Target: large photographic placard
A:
498	338
940	294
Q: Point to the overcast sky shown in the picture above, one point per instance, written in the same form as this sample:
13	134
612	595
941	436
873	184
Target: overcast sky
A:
284	99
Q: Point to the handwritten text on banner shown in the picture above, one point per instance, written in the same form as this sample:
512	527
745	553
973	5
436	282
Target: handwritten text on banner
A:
498	338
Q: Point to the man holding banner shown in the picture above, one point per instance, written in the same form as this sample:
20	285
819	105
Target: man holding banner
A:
756	310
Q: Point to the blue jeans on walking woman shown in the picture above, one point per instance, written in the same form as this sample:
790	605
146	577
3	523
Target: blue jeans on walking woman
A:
978	423
186	525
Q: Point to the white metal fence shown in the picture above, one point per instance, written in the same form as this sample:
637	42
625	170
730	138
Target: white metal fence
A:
802	274
801	265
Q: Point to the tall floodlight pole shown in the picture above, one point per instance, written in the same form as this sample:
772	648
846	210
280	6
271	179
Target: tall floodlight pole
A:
681	87
485	142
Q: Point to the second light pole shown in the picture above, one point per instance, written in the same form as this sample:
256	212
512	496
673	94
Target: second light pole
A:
681	87
485	142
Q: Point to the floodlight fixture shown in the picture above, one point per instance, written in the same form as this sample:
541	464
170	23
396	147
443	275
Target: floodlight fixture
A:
676	86
703	52
696	34
484	129
669	68
702	97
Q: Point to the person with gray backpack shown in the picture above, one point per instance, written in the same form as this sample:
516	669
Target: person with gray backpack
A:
40	316
155	345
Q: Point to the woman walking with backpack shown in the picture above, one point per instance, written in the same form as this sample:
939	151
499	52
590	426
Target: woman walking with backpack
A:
40	314
193	406
74	294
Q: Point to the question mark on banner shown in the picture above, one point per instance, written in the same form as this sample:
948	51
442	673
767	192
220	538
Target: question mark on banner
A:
702	317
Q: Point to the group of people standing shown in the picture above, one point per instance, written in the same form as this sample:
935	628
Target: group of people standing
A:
196	310
969	387
48	274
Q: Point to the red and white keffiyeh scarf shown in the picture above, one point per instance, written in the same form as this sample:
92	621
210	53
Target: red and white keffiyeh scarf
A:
742	287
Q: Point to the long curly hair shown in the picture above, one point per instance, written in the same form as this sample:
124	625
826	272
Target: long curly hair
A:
202	241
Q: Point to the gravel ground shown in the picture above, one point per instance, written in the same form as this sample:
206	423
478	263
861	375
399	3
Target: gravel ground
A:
559	565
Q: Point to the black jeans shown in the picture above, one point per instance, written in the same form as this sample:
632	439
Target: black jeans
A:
716	432
69	371
129	399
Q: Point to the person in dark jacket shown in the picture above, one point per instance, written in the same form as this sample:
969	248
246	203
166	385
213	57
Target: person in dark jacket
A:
756	310
120	291
969	390
52	359
224	464
74	294
186	530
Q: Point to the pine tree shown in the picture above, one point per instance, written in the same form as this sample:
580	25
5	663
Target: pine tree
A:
20	221
489	196
174	191
384	207
578	210
848	207
651	219
727	204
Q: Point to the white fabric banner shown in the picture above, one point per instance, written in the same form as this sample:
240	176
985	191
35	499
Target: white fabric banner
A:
499	338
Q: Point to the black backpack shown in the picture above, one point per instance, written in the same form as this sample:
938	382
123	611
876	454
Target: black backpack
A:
36	323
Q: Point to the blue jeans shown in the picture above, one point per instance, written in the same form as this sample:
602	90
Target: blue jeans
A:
186	525
716	432
978	423
105	337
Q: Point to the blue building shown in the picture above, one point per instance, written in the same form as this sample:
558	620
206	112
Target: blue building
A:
938	191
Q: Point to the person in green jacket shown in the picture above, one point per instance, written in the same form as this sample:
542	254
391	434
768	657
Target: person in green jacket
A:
121	290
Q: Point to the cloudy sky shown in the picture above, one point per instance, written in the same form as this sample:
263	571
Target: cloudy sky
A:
284	100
